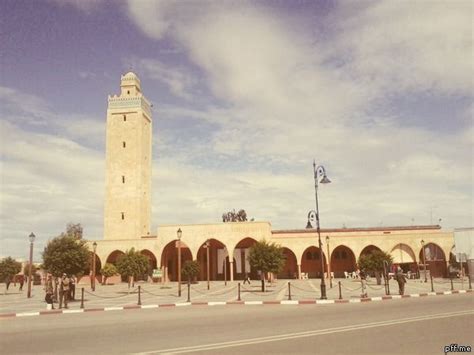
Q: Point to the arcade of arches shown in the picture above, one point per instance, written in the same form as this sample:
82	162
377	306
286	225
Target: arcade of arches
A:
302	256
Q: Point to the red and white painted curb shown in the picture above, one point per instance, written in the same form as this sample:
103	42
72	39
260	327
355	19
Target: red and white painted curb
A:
224	303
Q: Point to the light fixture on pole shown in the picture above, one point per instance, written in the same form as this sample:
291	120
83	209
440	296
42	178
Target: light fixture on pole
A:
320	173
94	248
329	263
207	246
31	237
424	257
179	233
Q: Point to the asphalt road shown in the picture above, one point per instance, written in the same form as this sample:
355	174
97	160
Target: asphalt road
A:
407	326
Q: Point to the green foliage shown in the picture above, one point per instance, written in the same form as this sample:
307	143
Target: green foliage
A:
266	257
74	230
374	261
107	271
9	267
66	254
132	263
233	216
190	269
26	269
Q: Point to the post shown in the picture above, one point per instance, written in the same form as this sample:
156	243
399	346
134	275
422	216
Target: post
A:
238	294
189	291
469	279
340	290
431	278
451	278
424	258
139	295
225	271
82	297
30	266
289	291
208	245
179	234
329	263
318	170
94	247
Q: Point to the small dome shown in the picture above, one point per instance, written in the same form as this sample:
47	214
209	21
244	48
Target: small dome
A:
131	75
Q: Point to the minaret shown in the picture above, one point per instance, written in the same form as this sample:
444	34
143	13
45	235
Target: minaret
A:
128	163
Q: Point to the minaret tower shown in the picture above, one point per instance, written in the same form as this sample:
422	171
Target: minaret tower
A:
128	163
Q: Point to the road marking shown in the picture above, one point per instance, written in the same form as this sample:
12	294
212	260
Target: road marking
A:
66	311
27	314
113	309
272	338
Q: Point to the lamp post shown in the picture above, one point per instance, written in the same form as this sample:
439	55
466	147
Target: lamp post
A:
207	246
94	248
320	172
179	233
30	266
329	263
424	257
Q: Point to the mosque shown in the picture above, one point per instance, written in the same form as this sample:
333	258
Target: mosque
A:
127	218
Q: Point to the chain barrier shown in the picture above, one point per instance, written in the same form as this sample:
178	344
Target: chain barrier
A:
215	294
375	288
351	289
157	295
302	289
110	297
267	293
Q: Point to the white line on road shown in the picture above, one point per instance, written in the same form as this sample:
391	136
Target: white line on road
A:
305	334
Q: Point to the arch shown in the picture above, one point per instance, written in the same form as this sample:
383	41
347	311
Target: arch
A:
290	269
215	249
342	260
169	259
369	249
152	263
435	259
113	257
402	254
241	265
311	262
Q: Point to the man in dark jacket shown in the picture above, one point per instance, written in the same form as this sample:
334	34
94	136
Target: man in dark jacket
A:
401	280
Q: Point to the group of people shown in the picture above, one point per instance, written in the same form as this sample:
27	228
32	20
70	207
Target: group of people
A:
399	277
66	292
17	278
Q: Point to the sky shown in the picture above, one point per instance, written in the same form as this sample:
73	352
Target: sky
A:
245	95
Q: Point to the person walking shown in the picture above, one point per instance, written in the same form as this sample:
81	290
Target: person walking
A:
72	287
247	278
21	280
49	289
401	280
64	291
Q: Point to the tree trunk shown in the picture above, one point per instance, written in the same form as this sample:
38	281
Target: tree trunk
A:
378	277
262	278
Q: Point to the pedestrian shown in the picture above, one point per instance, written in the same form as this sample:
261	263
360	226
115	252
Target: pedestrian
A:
401	280
49	289
21	280
8	281
363	282
72	288
247	278
64	291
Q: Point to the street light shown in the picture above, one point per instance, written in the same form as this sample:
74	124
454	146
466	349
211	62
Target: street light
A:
207	245
179	233
94	248
329	262
32	239
424	257
320	172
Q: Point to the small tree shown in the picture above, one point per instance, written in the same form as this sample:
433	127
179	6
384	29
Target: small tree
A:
373	262
132	264
107	271
266	257
74	230
233	216
66	254
190	269
9	267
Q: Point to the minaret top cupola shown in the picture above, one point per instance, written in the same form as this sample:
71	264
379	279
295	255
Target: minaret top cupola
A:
130	84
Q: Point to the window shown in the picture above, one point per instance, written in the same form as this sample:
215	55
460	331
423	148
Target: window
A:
128	92
123	179
123	215
124	118
124	144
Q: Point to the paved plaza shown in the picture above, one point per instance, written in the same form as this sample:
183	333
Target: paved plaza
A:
15	301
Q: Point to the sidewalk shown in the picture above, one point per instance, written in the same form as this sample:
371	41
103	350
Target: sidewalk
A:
112	297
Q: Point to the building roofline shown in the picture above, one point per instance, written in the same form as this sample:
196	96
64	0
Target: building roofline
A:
366	229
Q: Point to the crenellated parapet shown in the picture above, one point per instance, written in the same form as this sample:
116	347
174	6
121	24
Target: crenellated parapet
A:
121	102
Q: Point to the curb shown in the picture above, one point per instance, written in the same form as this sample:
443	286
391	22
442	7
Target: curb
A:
224	303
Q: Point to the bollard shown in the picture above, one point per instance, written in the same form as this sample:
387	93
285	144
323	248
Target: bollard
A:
432	287
82	297
340	290
189	292
289	291
139	295
238	295
469	278
452	287
388	285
